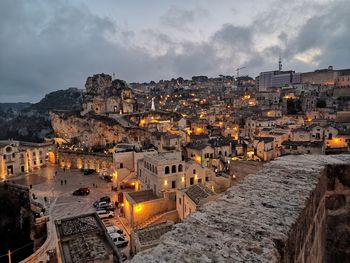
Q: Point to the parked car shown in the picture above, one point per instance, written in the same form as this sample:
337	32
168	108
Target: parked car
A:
114	229
119	240
102	199
88	171
82	191
105	214
102	205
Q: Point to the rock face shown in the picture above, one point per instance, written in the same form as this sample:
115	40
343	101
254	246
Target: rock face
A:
276	215
100	122
93	130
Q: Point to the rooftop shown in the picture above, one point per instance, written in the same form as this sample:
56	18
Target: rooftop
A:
165	156
142	196
83	239
198	192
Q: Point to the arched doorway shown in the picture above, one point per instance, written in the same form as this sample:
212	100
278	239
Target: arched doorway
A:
51	157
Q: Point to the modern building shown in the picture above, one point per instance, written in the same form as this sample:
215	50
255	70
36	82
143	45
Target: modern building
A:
320	76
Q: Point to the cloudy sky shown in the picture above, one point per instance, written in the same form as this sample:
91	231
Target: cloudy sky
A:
50	45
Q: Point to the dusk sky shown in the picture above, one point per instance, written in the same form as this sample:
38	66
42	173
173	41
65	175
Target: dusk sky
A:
51	45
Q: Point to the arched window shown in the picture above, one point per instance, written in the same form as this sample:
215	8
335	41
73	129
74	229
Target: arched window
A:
173	169
180	168
167	170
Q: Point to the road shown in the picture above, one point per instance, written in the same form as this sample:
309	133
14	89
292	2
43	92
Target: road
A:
60	201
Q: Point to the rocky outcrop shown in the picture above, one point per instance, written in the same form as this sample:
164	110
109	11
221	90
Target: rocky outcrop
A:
93	130
276	215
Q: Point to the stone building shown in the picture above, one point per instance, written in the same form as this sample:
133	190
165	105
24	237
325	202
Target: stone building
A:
105	96
102	120
23	157
163	172
84	238
189	199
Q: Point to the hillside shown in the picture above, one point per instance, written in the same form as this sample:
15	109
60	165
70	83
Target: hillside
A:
31	122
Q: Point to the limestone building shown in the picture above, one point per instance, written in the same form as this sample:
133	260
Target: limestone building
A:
162	172
23	157
105	96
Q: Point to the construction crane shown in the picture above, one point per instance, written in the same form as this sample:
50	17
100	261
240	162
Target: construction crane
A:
237	71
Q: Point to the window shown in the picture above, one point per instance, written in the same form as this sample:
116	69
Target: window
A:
13	155
173	169
173	184
206	178
194	171
41	161
180	201
191	180
121	165
200	180
180	168
167	170
34	162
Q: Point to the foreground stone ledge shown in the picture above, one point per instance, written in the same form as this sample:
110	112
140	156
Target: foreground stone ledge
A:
275	215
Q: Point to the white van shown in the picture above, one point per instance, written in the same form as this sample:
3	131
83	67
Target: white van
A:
105	214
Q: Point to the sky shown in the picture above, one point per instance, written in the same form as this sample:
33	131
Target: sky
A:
52	45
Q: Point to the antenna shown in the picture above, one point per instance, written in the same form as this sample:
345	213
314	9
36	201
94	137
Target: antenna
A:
280	63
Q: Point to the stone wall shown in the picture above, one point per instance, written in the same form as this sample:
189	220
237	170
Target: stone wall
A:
85	160
276	215
338	214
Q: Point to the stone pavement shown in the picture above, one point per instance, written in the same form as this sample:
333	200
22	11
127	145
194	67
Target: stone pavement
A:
60	200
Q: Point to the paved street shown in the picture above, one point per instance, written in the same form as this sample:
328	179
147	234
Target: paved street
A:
60	201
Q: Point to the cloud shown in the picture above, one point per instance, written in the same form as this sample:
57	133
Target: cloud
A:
181	19
45	46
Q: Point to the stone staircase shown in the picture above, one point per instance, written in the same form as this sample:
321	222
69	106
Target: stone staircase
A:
158	218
